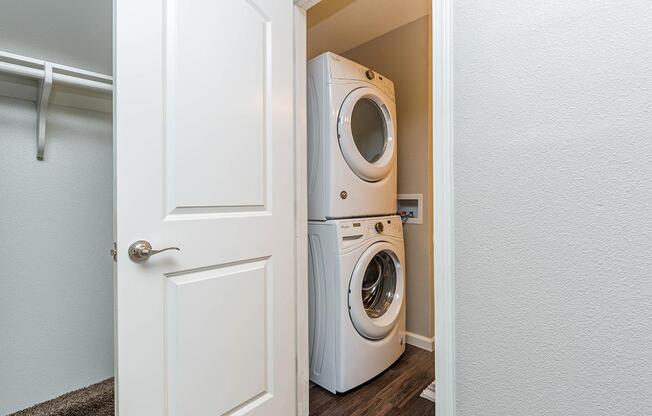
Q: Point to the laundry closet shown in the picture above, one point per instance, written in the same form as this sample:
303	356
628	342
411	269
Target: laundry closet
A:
112	133
370	229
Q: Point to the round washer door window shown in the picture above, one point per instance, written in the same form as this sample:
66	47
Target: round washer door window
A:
366	133
376	291
379	285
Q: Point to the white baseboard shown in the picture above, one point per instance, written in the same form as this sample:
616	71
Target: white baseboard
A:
420	341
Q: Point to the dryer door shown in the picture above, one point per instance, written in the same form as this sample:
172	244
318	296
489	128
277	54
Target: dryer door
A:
366	133
376	291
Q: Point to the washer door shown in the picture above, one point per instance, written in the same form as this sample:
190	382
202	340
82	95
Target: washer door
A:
376	291
366	133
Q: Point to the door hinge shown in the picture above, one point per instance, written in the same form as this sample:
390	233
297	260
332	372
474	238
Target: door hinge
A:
114	252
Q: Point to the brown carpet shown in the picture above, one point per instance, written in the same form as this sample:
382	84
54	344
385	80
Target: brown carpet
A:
94	400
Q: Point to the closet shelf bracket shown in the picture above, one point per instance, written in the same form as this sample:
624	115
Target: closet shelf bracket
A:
42	110
89	87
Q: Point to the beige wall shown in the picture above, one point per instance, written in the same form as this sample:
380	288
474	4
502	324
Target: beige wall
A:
403	55
340	25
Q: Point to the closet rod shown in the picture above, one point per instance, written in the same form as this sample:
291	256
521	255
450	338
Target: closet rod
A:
48	73
31	68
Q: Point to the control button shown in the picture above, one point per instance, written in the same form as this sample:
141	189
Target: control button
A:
343	194
370	74
379	227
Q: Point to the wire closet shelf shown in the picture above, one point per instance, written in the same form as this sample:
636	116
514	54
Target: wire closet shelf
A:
47	74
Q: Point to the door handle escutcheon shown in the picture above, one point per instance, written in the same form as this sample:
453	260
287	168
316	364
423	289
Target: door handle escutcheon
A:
141	250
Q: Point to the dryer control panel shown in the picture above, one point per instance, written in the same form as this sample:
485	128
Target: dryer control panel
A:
341	68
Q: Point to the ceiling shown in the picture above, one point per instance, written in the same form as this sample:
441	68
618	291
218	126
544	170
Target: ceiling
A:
340	25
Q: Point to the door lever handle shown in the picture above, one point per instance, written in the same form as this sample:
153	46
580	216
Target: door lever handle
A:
141	250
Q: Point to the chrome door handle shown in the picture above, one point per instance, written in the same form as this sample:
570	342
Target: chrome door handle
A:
141	250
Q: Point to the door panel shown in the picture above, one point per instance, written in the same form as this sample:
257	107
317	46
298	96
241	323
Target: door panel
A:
231	298
217	99
204	161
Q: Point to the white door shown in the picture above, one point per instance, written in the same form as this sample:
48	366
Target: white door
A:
204	162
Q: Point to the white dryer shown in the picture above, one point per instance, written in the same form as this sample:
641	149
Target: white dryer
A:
357	312
351	140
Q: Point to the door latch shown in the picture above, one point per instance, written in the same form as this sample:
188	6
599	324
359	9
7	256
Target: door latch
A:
114	252
141	250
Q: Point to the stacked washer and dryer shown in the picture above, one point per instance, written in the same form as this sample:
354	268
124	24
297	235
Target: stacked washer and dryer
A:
356	251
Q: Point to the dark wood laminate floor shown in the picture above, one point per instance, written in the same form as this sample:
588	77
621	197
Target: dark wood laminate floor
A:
394	392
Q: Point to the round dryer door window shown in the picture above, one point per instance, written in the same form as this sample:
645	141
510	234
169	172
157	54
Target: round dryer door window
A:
366	133
376	291
369	130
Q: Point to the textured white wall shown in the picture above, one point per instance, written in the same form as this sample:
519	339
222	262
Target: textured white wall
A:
553	209
70	32
56	275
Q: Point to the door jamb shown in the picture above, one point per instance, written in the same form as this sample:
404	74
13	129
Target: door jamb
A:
301	201
443	196
442	119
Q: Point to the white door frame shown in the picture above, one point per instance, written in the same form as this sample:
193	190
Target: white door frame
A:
442	202
443	196
301	175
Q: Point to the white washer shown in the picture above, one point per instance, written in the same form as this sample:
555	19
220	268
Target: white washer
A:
357	312
351	140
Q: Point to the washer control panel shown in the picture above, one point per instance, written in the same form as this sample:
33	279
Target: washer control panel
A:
362	228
